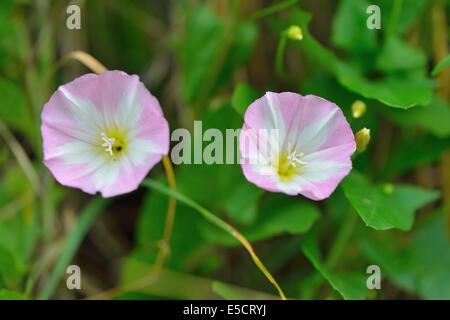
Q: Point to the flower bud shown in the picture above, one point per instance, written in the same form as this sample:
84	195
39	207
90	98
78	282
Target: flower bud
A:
362	139
294	32
358	109
388	188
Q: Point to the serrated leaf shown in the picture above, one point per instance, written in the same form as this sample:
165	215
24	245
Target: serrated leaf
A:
385	207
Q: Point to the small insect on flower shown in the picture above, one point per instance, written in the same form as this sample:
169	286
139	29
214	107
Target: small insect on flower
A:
311	152
103	133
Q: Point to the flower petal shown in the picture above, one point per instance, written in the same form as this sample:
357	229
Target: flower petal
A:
312	126
79	112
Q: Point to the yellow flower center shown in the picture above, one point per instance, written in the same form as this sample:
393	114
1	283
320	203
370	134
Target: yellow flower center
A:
113	143
289	164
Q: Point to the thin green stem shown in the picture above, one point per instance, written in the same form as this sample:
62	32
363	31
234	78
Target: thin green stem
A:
335	253
212	218
279	58
339	245
264	12
164	250
74	239
393	19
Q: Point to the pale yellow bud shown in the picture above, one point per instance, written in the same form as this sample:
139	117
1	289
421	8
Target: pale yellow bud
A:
294	33
362	139
358	109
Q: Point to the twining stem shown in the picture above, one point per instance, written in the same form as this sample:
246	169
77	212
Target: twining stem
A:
85	58
209	216
164	250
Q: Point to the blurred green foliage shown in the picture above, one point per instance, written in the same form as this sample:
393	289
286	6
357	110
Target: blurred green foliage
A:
208	60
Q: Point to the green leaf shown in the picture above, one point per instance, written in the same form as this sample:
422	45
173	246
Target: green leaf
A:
435	117
409	13
394	91
281	215
312	48
179	285
11	269
211	50
425	148
388	206
11	295
74	239
19	223
278	216
230	292
351	286
242	205
420	266
14	107
349	29
184	242
441	65
397	55
212	185
243	96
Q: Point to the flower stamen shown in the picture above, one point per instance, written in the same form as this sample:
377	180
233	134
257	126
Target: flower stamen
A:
109	143
295	158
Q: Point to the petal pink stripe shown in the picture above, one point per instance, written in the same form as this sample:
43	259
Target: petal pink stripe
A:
314	129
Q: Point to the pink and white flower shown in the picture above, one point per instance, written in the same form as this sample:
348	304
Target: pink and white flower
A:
311	153
103	133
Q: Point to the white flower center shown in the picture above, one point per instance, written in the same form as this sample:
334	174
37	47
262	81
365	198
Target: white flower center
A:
109	143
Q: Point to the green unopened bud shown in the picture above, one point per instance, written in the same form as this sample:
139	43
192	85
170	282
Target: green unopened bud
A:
362	139
294	33
358	109
388	188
